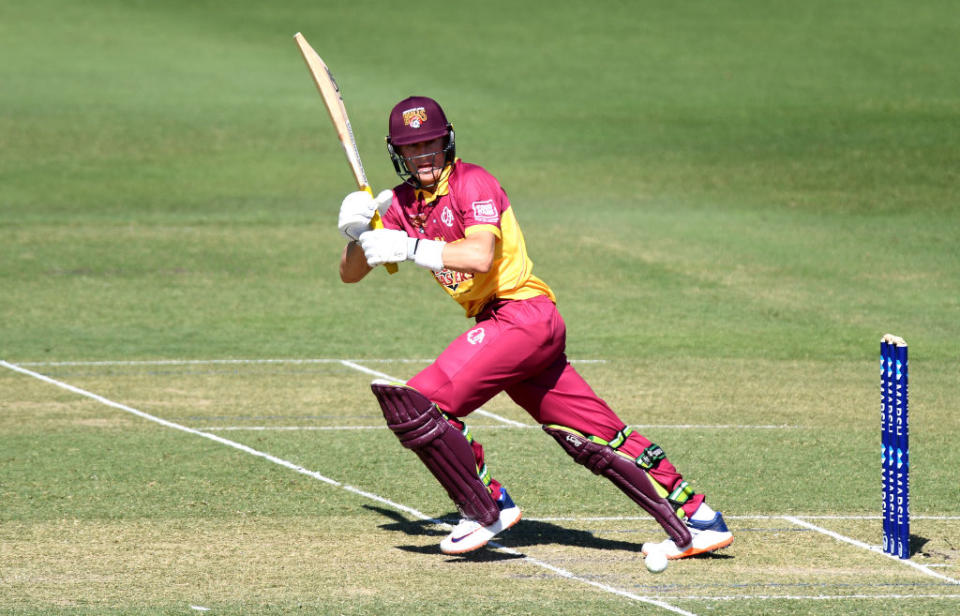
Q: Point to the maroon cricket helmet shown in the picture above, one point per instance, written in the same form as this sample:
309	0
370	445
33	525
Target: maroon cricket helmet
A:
415	119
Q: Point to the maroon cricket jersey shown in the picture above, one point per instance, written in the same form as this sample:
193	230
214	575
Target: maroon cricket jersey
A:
469	199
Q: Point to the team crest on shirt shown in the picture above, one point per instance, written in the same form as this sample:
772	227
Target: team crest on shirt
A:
475	336
485	211
446	216
414	118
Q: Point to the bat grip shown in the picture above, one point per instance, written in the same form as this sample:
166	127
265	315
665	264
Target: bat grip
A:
377	223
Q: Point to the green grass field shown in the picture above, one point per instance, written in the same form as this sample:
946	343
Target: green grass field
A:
733	201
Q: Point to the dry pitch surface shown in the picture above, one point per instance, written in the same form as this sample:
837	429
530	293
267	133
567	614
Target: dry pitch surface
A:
239	486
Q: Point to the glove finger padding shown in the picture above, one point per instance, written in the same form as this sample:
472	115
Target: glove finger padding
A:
384	246
383	200
356	210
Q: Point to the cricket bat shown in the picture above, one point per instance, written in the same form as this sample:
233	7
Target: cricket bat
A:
333	101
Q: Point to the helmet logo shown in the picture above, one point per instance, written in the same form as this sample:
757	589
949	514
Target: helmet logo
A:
414	118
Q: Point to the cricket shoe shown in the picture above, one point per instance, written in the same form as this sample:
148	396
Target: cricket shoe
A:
469	535
708	536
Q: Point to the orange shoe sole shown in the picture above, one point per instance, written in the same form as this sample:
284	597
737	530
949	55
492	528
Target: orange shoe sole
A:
692	551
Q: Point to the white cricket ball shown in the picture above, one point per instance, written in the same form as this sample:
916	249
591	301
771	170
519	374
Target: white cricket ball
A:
655	561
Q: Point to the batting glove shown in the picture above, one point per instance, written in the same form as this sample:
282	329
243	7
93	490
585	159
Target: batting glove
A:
393	246
357	209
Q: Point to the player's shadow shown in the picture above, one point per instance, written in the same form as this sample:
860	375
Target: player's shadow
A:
916	544
525	533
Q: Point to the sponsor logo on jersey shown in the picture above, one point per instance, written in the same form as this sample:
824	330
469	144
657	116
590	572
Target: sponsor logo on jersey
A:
485	211
414	118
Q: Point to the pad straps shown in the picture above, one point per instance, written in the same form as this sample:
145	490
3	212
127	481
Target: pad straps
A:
623	471
482	472
647	460
616	442
679	497
444	450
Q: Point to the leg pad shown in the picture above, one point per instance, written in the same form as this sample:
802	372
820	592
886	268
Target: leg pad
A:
419	425
626	475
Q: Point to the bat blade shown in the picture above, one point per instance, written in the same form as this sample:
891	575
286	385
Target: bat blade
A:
333	101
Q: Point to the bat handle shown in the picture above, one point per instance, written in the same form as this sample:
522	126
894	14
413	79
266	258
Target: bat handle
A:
377	223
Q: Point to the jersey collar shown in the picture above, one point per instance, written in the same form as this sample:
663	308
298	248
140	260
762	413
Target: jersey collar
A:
443	185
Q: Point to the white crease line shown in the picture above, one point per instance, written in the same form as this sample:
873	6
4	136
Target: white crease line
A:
872	548
169	424
714	427
557	570
472	426
610	589
913	516
806	597
383	375
299	469
190	362
355	365
203	362
812	516
297	428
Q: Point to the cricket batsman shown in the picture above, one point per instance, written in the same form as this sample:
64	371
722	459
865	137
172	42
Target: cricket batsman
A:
453	219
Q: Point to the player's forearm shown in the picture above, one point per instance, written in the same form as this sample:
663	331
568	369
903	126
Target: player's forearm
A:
473	254
469	256
353	264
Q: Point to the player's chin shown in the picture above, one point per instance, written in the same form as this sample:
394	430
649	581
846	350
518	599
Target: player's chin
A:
428	176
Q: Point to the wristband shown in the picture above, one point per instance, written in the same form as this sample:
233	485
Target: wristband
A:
426	253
